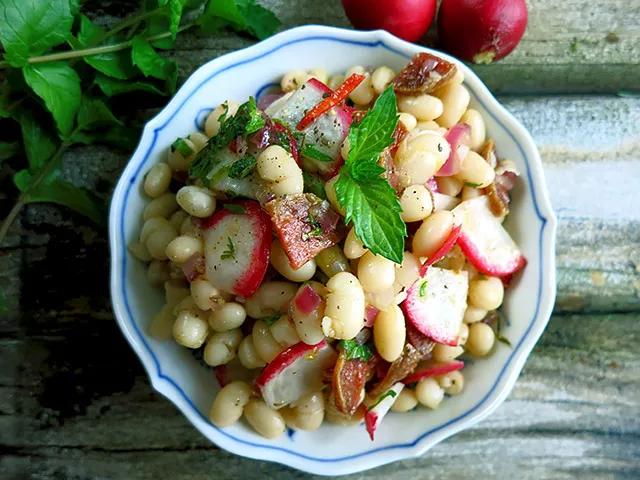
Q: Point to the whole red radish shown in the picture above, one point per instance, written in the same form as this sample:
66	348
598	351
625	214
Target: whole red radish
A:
481	31
408	19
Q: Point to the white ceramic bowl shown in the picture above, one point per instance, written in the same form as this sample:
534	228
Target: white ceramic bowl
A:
332	450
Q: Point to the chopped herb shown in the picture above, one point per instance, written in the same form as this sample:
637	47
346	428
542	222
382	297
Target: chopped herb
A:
388	393
310	151
423	289
225	112
472	185
181	146
313	184
243	167
230	252
356	351
246	121
233	208
271	319
316	228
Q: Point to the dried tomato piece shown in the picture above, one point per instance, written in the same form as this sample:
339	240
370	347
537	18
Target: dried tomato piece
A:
349	379
419	340
424	74
399	369
305	225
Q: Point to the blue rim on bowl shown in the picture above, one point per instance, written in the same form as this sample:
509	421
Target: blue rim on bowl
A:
264	449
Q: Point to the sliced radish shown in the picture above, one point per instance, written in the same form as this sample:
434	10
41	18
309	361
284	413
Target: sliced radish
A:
484	241
434	370
442	251
327	132
307	300
294	372
237	248
370	314
459	137
374	416
436	303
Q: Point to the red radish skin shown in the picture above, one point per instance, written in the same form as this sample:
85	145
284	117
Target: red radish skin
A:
370	314
407	19
434	371
307	300
481	31
458	137
442	251
374	416
250	233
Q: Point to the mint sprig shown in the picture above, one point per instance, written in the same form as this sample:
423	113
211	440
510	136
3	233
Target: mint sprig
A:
367	198
356	351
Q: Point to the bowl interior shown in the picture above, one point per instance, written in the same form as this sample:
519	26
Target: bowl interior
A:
174	370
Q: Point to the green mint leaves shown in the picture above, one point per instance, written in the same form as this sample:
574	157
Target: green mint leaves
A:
356	351
368	199
245	15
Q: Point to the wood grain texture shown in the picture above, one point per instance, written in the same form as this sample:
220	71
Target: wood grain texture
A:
75	403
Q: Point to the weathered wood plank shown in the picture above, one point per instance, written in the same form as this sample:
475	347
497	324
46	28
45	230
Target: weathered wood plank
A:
80	407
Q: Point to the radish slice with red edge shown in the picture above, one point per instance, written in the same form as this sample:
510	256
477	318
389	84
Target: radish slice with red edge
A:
307	300
236	247
374	416
336	97
442	251
484	241
434	370
295	372
436	302
370	314
459	137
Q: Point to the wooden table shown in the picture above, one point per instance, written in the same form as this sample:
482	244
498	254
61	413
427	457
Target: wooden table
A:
75	402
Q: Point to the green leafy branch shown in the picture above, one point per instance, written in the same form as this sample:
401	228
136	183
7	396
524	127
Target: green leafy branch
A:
62	76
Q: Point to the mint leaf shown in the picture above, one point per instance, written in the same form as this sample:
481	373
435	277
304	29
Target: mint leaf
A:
181	147
59	86
271	319
151	64
374	209
112	86
313	184
175	13
356	351
55	190
388	393
244	15
114	64
30	27
39	143
423	288
368	199
374	133
243	167
8	150
230	252
94	113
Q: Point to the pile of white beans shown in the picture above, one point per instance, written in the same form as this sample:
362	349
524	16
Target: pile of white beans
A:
198	315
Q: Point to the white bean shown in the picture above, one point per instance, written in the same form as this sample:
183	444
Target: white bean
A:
389	333
481	339
335	81
162	323
478	130
182	248
277	166
469	192
308	412
420	156
198	139
363	94
475	171
267	422
284	332
212	123
409	121
381	78
157	180
205	295
452	383
432	233
270	298
353	247
463	334
319	74
281	263
376	273
293	80
455	99
408	271
416	203
189	330
449	186
248	355
177	219
229	404
330	191
157	273
263	342
139	250
162	206
221	347
158	241
344	311
446	353
473	314
179	162
228	316
423	107
174	292
429	393
486	293
405	401
196	201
